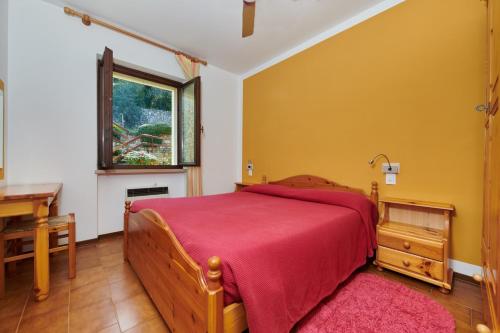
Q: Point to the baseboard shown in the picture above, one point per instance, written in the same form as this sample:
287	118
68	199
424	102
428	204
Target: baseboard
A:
93	240
464	268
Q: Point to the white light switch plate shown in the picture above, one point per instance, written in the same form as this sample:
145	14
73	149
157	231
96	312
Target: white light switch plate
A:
250	168
390	178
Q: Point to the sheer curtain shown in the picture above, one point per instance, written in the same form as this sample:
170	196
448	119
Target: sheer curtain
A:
191	70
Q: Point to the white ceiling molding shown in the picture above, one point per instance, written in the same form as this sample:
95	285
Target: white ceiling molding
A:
357	19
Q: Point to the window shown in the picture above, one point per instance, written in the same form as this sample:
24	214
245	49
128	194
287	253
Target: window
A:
144	120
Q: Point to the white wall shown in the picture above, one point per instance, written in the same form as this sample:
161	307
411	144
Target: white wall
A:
4	18
3	38
111	195
53	123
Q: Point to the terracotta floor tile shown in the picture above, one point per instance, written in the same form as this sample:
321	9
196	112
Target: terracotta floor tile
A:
476	318
463	329
92	318
8	324
112	329
87	276
55	321
111	260
134	311
467	294
108	297
83	251
87	262
13	304
59	279
121	271
21	281
109	241
462	314
90	293
156	325
111	248
408	281
11	308
59	298
124	289
59	262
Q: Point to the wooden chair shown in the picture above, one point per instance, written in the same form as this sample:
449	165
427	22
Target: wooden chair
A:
16	231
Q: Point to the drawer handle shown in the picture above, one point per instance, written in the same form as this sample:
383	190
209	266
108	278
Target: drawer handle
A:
406	263
406	245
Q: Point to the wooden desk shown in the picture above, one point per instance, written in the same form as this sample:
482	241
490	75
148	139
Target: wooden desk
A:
34	200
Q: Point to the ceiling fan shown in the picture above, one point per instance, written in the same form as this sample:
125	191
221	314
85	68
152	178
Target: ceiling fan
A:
248	17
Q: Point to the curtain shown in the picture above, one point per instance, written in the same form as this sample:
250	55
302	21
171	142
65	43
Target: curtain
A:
191	70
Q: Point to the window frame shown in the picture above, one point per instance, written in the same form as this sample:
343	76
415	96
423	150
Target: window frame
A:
197	125
105	115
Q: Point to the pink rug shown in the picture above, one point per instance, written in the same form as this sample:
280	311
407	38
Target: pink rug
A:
369	303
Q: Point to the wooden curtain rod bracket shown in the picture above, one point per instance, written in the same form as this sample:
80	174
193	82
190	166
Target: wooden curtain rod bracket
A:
87	20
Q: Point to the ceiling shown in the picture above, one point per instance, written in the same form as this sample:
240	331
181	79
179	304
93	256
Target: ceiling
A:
211	29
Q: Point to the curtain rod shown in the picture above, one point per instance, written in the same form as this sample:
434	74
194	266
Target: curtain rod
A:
87	20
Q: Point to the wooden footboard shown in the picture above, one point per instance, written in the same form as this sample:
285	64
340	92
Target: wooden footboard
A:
187	301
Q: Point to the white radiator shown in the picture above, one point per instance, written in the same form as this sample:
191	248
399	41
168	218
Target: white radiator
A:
138	193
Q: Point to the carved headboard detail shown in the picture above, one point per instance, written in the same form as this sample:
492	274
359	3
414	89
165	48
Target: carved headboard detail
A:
307	181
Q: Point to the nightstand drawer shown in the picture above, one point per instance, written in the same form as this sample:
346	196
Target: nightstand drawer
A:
422	247
412	263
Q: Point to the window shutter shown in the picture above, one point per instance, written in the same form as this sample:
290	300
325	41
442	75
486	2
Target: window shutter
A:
105	110
189	123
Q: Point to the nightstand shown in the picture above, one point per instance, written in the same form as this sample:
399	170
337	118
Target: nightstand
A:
413	239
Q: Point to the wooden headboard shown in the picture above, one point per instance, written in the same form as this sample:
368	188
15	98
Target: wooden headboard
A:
307	181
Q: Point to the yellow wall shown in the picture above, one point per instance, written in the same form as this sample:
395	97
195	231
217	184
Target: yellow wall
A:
404	83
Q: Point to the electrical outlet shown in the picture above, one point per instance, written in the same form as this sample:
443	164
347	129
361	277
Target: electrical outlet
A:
395	167
250	168
390	178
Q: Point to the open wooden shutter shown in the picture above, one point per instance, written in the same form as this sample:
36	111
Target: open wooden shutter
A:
105	110
189	123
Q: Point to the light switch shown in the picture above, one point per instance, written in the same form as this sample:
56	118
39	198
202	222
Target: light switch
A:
390	178
250	168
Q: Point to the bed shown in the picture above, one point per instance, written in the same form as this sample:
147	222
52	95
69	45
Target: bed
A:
197	295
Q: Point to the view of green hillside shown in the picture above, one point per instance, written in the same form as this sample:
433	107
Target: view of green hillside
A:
142	123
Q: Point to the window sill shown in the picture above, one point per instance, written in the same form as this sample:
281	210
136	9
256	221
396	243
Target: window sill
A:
118	172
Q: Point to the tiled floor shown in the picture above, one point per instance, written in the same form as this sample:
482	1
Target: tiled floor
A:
106	296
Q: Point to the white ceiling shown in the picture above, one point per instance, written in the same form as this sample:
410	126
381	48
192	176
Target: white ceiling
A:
211	29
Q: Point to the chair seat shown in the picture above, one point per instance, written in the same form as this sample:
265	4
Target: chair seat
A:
30	225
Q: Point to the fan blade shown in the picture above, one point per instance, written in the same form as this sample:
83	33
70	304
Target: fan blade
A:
248	18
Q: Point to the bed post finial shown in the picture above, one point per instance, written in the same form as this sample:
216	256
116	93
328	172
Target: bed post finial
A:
214	273
374	193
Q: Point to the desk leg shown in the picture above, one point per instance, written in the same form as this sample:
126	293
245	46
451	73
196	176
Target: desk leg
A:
54	211
41	212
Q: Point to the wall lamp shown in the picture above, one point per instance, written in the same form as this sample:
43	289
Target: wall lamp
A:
372	161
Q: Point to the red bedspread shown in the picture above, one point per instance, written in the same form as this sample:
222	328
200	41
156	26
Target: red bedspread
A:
283	250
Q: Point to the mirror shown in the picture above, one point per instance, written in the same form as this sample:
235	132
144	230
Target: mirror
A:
2	107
